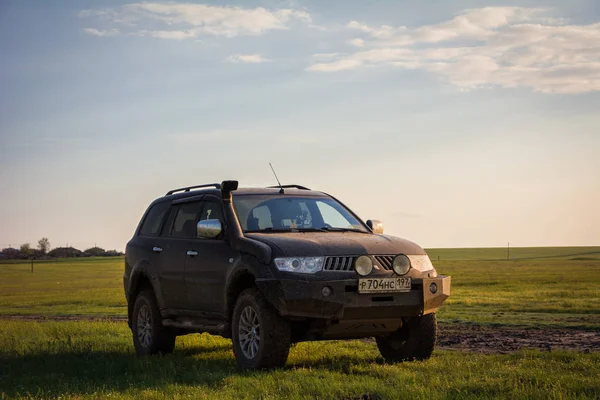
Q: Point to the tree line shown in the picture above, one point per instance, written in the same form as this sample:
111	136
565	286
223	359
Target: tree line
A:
25	251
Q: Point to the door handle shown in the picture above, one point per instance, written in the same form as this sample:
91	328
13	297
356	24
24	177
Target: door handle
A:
192	253
156	249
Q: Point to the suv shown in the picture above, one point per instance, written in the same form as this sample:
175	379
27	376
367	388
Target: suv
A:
268	267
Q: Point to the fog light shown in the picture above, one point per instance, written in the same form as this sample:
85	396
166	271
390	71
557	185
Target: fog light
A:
326	291
433	288
363	265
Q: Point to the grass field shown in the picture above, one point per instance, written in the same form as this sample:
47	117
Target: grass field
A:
95	359
92	359
516	253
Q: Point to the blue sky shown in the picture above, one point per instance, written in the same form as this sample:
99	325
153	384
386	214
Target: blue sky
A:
462	123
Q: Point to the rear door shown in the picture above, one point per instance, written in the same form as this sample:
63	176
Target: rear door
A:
141	247
207	269
179	229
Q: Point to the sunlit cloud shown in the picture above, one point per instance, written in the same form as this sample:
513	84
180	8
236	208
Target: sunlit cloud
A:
101	32
178	21
247	58
493	46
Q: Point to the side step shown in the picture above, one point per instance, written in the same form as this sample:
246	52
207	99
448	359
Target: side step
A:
198	325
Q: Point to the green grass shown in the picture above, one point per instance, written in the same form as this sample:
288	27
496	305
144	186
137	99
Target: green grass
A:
516	253
95	360
551	293
90	287
538	292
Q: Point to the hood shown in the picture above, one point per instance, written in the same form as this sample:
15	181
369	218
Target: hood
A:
305	244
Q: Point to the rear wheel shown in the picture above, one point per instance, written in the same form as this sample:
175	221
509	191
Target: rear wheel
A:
415	340
149	335
261	337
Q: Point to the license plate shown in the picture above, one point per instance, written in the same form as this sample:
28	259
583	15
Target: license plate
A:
384	285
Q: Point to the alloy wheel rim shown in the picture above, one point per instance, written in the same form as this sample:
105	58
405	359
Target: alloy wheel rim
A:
144	326
249	332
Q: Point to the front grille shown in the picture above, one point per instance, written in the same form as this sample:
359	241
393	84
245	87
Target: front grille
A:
386	262
339	263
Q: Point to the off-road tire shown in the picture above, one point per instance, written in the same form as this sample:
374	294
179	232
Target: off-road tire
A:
160	339
415	340
274	333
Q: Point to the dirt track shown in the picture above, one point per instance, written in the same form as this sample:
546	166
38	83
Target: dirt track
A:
490	339
477	338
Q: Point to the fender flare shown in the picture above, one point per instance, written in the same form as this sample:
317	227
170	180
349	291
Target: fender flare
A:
245	265
143	269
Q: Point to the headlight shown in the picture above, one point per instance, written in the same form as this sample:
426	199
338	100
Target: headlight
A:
363	265
421	262
401	264
301	265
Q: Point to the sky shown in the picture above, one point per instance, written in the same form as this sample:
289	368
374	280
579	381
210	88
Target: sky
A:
457	123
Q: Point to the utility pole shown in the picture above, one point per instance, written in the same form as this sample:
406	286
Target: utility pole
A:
508	251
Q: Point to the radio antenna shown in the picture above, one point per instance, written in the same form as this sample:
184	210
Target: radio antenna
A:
277	179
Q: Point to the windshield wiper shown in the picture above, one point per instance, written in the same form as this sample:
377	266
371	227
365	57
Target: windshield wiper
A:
270	230
323	229
279	230
333	229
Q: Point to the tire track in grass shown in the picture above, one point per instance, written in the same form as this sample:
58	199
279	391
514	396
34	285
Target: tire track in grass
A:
451	336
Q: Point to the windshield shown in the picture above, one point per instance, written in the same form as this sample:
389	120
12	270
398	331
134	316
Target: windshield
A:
267	213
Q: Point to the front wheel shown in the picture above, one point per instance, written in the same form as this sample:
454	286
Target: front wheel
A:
261	337
149	336
415	340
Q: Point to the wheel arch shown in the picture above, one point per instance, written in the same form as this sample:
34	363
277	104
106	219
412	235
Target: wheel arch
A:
142	276
240	280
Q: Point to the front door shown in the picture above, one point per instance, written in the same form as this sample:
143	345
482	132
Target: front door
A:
207	266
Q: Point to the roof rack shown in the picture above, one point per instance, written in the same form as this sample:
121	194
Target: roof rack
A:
289	186
187	189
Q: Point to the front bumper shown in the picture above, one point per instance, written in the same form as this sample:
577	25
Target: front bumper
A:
303	298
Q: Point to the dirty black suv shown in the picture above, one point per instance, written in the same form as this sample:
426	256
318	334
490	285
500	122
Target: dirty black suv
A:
268	267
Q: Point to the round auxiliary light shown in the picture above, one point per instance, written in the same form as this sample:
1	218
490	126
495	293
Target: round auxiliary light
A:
433	288
363	265
401	264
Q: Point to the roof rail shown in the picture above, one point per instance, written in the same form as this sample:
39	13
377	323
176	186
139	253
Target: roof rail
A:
187	189
289	186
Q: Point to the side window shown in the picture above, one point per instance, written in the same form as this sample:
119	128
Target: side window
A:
184	225
168	226
212	210
154	218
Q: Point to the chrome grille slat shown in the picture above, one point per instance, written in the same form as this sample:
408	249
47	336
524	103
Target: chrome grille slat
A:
339	263
386	261
346	263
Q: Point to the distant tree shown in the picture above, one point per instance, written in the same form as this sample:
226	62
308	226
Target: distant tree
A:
95	252
63	252
12	254
44	245
35	253
113	253
25	249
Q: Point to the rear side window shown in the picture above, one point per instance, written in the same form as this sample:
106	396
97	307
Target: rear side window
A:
154	218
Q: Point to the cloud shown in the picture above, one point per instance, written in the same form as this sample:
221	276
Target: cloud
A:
179	21
98	32
358	42
492	46
247	58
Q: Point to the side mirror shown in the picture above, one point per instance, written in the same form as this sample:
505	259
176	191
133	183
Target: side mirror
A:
376	226
209	228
